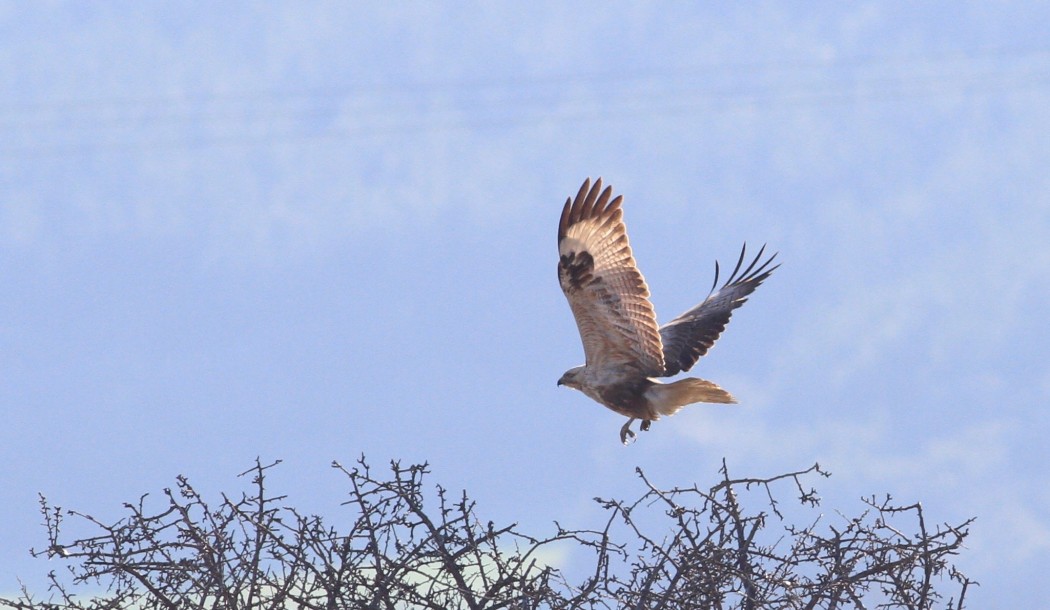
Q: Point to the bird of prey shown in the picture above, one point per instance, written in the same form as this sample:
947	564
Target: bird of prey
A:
625	350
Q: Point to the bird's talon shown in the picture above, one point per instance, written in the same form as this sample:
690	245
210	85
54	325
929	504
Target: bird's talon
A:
627	436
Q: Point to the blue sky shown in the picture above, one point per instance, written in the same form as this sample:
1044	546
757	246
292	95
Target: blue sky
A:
310	231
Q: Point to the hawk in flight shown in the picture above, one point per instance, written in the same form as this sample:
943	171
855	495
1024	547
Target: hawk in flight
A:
625	350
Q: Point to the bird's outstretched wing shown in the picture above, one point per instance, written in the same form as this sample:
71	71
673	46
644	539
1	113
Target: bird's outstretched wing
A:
606	292
690	335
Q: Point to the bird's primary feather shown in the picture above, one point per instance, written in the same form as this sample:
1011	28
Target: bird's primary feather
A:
690	335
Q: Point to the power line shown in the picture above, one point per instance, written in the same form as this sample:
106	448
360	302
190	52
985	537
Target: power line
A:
608	77
250	119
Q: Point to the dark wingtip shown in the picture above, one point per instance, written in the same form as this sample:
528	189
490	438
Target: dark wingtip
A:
754	272
587	207
577	203
563	222
591	201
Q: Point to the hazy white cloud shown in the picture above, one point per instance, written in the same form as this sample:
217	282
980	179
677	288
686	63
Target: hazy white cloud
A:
972	470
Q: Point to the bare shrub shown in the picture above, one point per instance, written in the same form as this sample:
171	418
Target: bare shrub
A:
683	548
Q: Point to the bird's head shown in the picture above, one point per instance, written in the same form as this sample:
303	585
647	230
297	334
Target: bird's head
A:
570	378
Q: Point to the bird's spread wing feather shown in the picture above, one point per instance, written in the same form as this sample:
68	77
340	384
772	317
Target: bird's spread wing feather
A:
606	292
690	335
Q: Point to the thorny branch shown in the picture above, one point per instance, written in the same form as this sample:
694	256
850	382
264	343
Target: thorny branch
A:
681	548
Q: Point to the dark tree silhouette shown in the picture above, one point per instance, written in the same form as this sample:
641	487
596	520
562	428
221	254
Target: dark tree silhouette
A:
683	548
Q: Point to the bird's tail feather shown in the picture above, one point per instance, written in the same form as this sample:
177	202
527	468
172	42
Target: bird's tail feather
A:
668	398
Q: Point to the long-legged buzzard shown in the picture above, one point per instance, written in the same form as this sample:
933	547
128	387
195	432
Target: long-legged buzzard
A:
624	348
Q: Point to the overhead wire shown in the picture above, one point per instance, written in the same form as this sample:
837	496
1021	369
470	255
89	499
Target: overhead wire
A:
749	67
362	111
